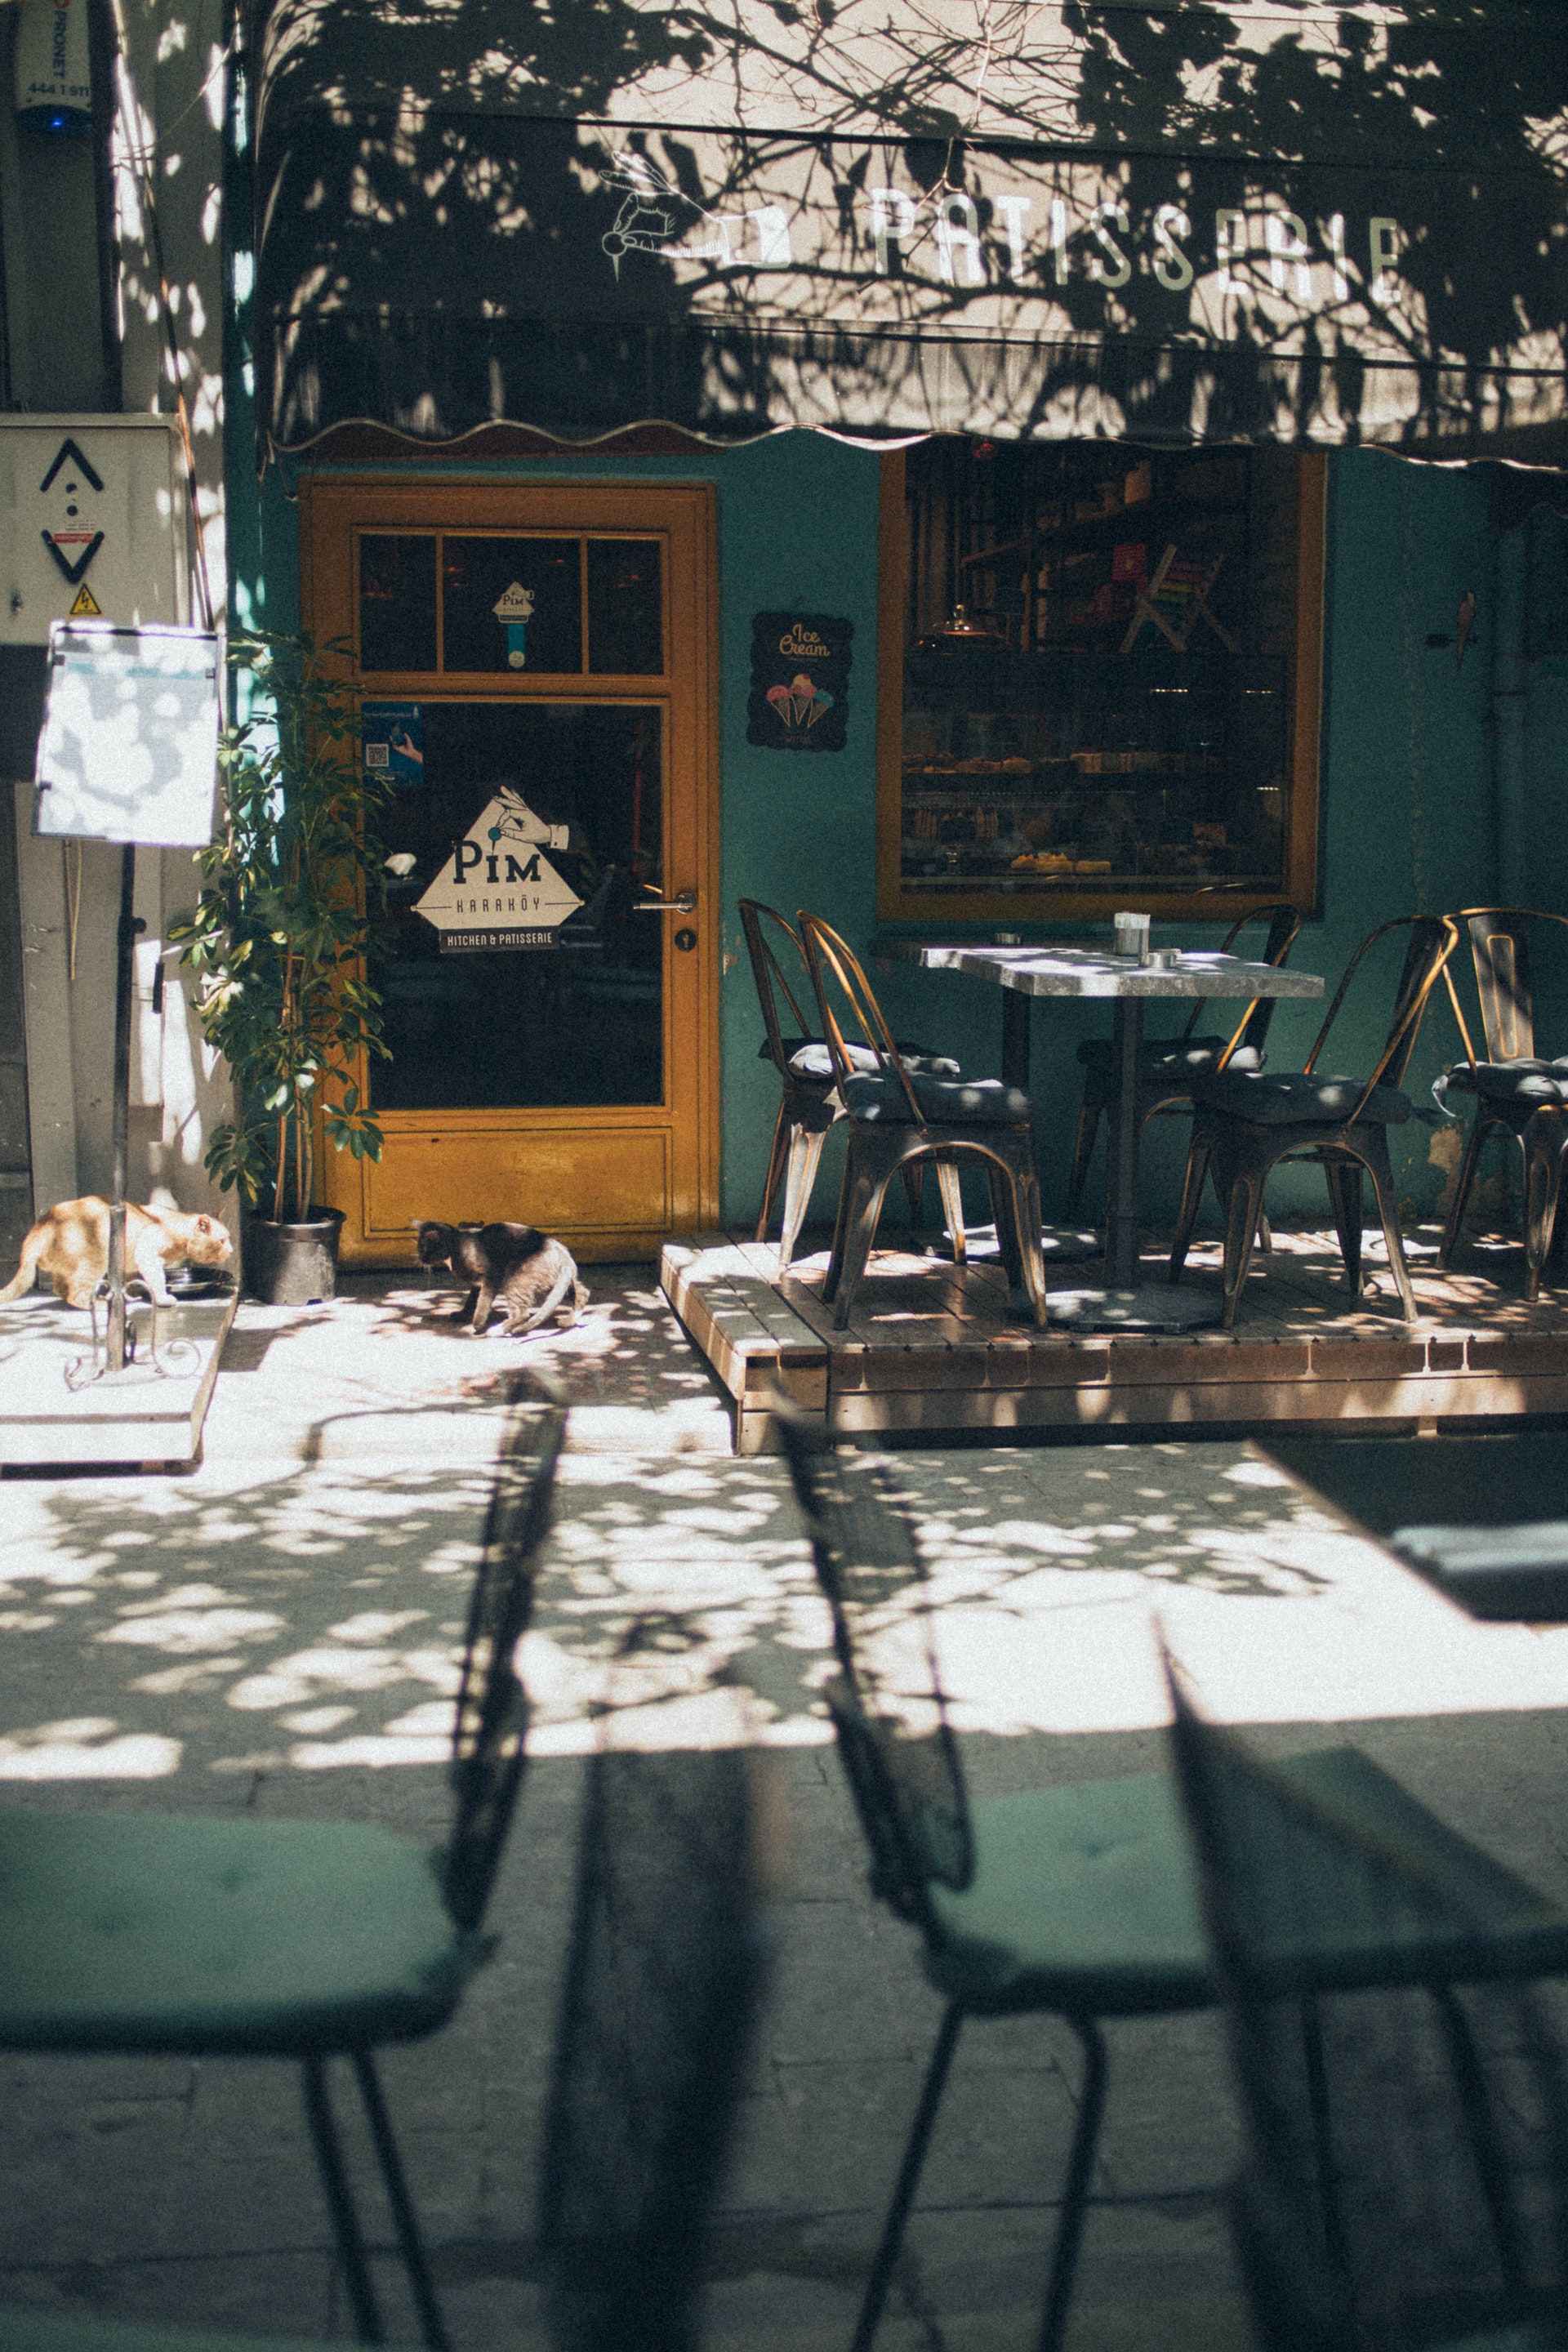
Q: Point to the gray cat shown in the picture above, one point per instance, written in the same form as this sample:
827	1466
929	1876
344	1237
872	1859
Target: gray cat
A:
533	1276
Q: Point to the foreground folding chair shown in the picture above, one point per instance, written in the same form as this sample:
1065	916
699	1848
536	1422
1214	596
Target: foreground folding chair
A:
661	1990
809	1104
1403	2082
1246	1121
899	1115
1077	1902
1167	1066
161	1935
1513	1082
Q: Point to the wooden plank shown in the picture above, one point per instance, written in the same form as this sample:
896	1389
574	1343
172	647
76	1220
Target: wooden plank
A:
1156	1409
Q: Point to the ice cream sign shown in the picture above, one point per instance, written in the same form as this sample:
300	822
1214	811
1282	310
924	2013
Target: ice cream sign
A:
514	610
800	681
498	889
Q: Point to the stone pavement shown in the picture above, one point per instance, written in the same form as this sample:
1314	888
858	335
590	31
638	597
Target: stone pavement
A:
275	1632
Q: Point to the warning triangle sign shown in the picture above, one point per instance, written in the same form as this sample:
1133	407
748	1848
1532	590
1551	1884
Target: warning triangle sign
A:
85	607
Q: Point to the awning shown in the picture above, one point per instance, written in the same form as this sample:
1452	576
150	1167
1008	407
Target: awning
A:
1167	226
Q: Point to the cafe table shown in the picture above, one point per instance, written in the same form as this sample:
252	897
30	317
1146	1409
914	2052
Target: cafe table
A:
1023	973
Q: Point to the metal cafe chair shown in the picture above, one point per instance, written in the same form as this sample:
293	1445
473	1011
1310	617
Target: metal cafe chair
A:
150	1934
1077	1902
1512	1083
1246	1121
662	1985
897	1115
809	1104
1400	2064
1167	1066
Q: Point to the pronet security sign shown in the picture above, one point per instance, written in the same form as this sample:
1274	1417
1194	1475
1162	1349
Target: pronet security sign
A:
498	889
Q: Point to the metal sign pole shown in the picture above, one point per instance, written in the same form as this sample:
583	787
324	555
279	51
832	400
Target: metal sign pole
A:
123	994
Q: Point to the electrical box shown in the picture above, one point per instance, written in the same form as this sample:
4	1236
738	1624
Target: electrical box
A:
93	523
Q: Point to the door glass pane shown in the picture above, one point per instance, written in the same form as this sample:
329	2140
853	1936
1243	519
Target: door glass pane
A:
511	604
397	601
530	804
625	607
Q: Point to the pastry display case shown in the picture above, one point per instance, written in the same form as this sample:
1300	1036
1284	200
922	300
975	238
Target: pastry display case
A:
1103	687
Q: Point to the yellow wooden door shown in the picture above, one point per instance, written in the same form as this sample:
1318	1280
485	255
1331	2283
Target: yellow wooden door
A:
537	663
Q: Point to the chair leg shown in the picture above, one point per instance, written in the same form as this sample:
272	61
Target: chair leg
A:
1265	1235
914	1174
1343	1180
1199	1156
1545	1140
432	2326
1082	1150
1493	2168
1075	2187
951	1192
1381	1174
1245	1197
1462	1183
341	2204
864	1214
1015	1206
778	1153
805	1158
892	2238
1315	2064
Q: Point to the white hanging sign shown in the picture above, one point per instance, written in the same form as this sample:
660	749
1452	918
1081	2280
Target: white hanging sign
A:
129	748
498	889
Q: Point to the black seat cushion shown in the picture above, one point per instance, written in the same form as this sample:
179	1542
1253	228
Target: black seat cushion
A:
1290	1098
1162	1058
970	1102
809	1057
1532	1082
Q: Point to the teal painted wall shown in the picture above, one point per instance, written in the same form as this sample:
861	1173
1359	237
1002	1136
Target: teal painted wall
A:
1408	815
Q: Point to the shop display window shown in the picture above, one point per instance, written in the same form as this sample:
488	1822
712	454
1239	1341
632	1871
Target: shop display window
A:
1103	686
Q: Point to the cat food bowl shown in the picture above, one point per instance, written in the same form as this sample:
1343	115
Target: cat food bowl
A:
207	1284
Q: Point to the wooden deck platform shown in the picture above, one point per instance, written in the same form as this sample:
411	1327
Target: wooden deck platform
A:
930	1351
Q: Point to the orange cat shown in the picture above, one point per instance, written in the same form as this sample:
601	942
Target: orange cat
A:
70	1244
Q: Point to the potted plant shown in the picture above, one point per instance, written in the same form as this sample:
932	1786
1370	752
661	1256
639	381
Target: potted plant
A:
292	891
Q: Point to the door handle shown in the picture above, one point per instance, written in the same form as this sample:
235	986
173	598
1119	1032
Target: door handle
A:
683	903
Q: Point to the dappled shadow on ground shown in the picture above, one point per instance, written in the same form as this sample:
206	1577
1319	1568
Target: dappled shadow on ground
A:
306	1618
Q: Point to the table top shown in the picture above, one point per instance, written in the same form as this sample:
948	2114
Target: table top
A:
1098	971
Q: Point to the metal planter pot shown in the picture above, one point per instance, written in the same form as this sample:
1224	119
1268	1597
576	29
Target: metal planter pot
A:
293	1263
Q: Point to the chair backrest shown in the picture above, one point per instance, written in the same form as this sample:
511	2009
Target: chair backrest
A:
768	973
662	1983
1499	949
1433	939
886	1700
1405	2179
491	1726
1284	925
843	992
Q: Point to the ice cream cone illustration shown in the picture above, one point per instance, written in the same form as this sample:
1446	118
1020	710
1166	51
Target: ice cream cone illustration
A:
802	694
819	703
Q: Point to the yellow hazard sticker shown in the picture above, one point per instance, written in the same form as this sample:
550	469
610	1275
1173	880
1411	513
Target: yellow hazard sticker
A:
86	606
